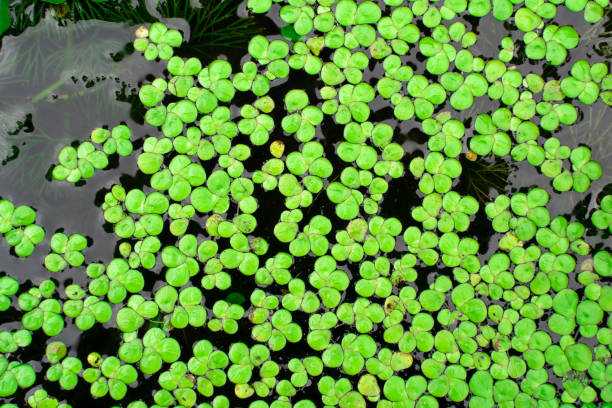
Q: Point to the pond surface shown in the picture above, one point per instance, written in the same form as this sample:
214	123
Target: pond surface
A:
63	77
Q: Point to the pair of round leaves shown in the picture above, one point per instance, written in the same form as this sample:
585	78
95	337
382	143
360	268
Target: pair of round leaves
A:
14	375
25	239
14	217
602	217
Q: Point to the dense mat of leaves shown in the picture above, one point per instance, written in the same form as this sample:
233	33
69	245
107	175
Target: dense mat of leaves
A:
356	309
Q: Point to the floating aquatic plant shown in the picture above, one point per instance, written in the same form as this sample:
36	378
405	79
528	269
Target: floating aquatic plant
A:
75	164
505	328
66	251
17	225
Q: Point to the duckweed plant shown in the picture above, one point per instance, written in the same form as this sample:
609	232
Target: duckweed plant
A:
347	307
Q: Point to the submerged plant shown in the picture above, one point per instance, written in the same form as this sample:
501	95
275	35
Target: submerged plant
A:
482	177
212	25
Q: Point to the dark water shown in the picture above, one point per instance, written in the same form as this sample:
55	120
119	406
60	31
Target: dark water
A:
57	83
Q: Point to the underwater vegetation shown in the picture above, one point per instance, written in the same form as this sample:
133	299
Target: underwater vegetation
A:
252	263
40	79
481	178
64	33
210	25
